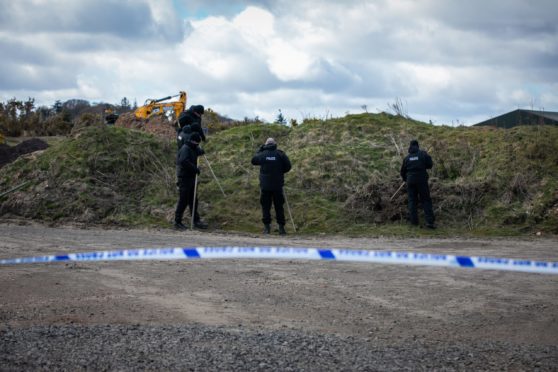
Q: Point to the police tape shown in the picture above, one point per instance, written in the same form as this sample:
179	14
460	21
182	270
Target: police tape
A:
345	255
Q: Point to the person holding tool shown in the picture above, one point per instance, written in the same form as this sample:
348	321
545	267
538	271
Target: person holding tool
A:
413	172
273	163
187	171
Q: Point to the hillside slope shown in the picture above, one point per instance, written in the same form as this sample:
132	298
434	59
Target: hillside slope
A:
345	172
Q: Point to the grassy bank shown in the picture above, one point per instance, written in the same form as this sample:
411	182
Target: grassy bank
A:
345	171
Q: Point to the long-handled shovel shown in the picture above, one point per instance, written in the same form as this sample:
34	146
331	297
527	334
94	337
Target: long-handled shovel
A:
400	187
14	189
289	210
194	202
213	173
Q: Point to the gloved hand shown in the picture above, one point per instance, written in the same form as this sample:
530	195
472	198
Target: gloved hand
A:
200	151
261	148
197	170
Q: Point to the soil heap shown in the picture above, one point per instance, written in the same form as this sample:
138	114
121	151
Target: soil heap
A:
9	154
158	125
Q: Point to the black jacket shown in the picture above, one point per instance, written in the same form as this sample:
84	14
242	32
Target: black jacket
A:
189	123
273	164
187	161
415	164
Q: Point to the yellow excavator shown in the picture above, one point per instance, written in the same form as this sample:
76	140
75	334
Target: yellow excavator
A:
158	107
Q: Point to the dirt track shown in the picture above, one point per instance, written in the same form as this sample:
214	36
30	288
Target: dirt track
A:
406	317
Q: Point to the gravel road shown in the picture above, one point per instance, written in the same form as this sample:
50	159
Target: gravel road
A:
270	314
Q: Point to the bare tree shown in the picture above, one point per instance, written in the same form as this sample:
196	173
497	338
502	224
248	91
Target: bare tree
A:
399	108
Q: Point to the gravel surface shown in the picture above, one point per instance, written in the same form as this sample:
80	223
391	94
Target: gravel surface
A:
196	347
269	314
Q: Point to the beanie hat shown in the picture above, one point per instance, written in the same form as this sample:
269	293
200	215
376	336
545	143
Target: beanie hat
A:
414	143
199	109
270	141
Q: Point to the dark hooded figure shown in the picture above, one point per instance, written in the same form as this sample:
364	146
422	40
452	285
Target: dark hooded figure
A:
273	163
186	171
189	122
413	171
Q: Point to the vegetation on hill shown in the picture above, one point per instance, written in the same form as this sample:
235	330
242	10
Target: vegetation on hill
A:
344	179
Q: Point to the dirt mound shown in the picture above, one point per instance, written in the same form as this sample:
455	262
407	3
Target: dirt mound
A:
158	125
9	154
102	175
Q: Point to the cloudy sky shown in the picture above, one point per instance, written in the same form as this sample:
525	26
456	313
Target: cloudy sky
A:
448	61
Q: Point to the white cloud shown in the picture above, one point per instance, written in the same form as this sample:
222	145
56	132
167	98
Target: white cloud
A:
447	59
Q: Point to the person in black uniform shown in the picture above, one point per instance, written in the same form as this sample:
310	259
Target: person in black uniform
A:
413	171
189	122
186	171
111	117
273	163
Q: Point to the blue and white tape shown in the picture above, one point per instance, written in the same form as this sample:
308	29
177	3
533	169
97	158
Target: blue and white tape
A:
346	255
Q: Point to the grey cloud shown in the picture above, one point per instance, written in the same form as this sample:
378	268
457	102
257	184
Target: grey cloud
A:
17	77
28	65
512	18
125	19
17	51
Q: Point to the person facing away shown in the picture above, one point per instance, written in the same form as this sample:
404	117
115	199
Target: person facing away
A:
273	163
189	122
413	172
186	171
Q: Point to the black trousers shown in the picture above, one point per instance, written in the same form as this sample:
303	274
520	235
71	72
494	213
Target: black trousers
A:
186	198
275	197
419	191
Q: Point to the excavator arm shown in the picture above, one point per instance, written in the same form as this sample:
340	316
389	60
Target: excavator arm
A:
158	107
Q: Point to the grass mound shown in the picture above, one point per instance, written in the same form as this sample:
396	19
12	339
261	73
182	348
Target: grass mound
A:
102	175
345	177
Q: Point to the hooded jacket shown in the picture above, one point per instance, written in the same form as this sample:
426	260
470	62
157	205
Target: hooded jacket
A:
273	164
189	123
415	164
187	161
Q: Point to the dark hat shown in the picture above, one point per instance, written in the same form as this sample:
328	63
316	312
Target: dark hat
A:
414	143
199	109
195	137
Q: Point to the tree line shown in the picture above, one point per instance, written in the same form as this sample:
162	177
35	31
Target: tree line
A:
25	118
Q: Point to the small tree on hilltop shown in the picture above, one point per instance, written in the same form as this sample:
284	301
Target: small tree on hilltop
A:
280	118
125	104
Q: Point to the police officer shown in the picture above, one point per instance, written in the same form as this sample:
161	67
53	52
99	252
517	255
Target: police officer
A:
413	171
273	163
186	171
189	122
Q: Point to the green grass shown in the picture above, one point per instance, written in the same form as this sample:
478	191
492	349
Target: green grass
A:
485	182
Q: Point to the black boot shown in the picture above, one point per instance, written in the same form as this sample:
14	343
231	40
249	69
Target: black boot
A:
180	226
200	225
267	228
282	230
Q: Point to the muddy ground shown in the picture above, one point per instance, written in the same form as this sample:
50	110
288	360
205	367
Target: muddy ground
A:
272	314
